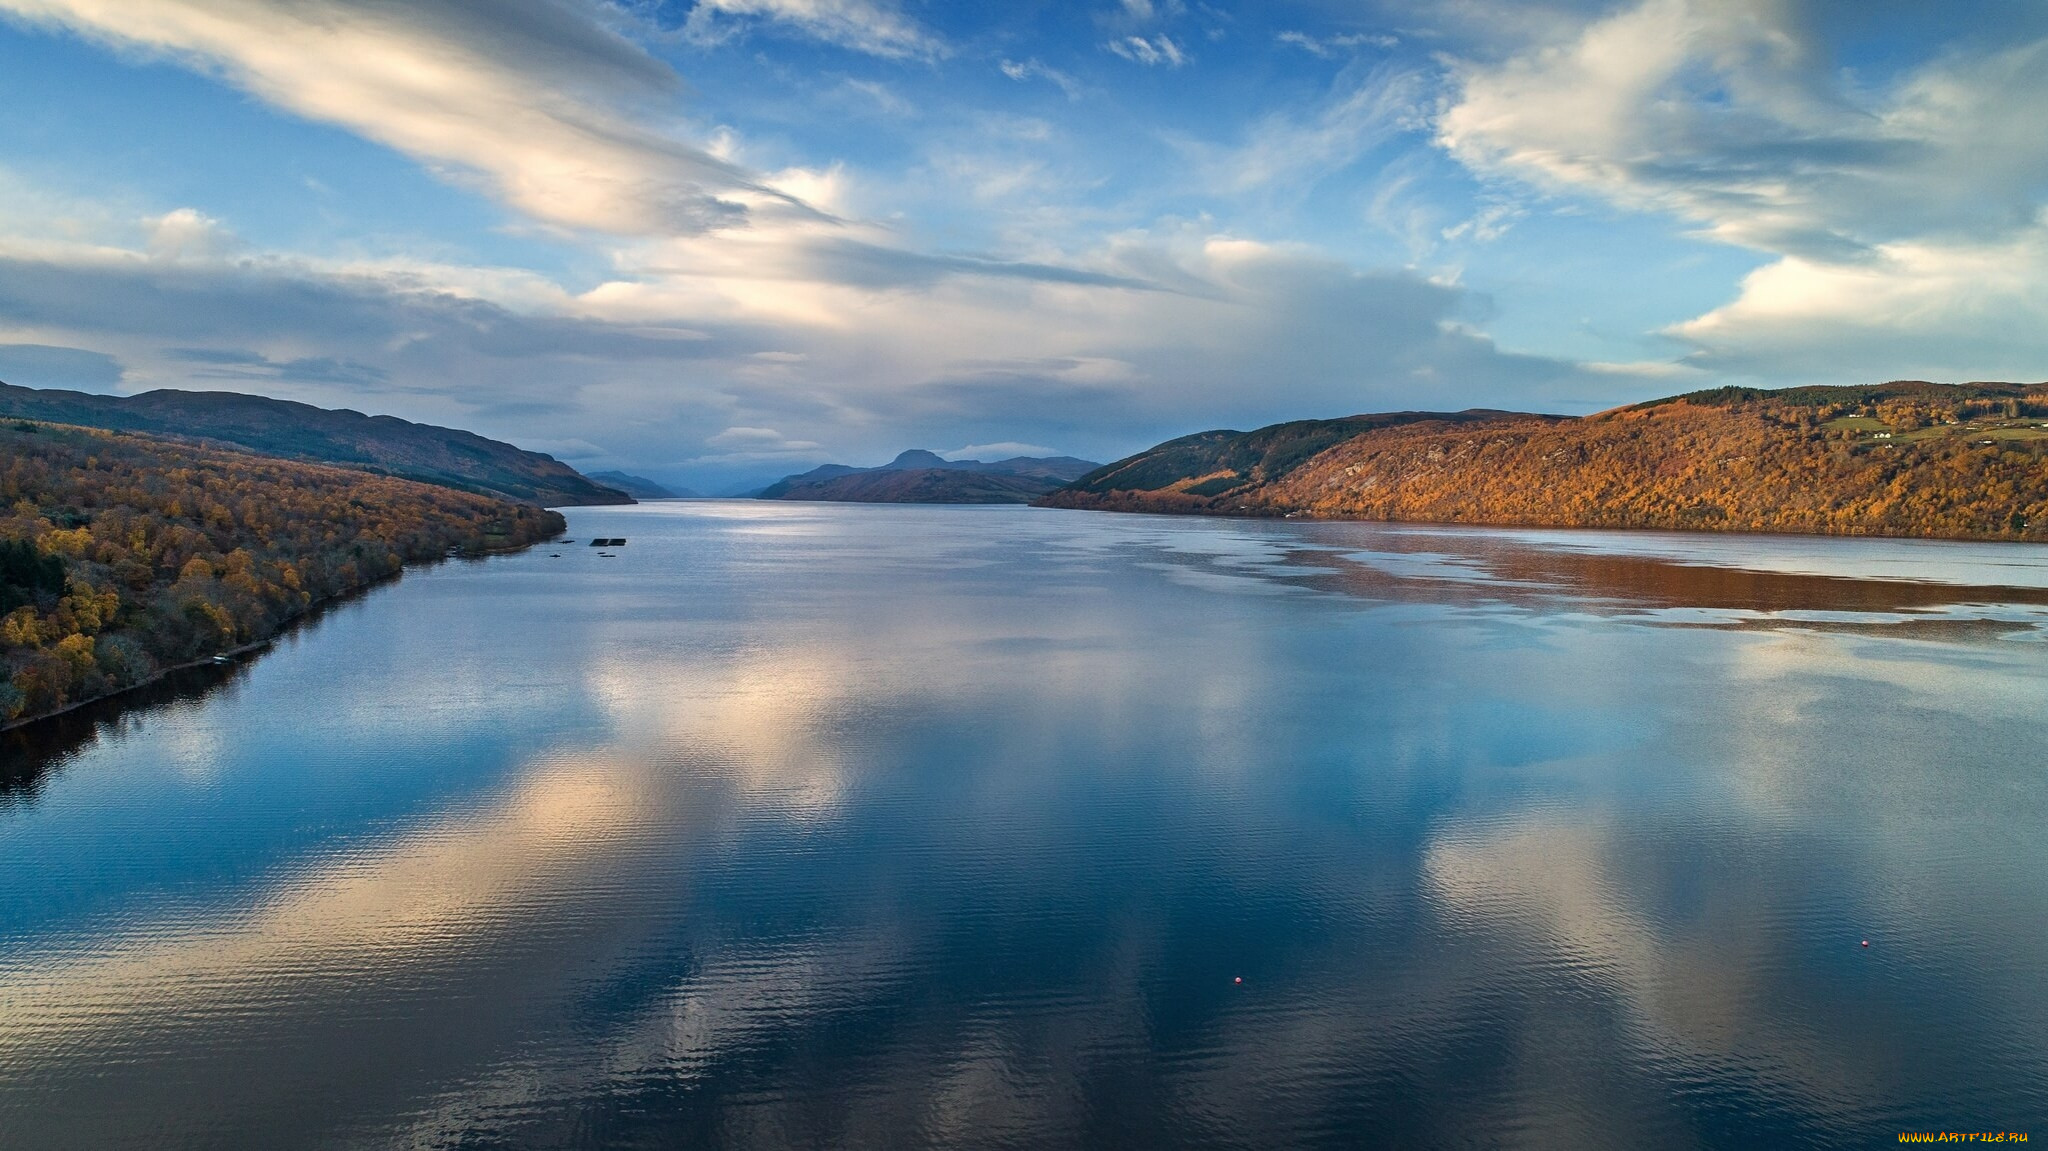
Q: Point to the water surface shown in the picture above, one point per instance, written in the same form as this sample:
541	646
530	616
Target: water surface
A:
816	825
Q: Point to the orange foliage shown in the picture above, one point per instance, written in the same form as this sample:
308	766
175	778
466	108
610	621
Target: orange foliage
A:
121	554
1902	460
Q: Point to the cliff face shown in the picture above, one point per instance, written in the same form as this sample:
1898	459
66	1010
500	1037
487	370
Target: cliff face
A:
1907	459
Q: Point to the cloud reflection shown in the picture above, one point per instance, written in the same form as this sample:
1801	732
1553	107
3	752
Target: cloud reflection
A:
887	827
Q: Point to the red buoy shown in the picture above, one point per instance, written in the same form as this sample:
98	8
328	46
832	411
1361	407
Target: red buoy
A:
1866	943
1240	979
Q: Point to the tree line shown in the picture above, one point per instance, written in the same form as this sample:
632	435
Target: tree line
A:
1961	462
123	554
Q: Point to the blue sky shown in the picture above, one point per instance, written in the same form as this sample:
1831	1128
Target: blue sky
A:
716	240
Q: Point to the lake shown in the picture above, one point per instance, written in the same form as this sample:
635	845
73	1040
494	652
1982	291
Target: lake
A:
850	826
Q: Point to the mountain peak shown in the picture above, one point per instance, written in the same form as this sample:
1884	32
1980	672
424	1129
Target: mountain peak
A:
919	458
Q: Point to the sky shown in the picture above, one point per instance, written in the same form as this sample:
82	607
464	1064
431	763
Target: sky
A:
717	241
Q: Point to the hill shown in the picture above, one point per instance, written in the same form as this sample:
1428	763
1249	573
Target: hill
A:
1198	472
923	486
922	477
123	554
383	444
1902	459
640	487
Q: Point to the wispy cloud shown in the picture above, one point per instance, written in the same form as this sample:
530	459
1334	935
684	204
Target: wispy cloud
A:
853	24
1297	147
1334	45
1156	50
1008	449
1022	70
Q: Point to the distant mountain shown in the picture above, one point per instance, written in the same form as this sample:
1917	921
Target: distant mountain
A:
1906	458
640	487
817	475
385	445
921	477
924	486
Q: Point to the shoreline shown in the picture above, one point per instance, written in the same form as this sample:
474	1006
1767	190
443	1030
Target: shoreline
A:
230	656
1301	516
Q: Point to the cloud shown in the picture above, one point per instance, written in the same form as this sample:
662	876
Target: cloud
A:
851	24
1288	148
1022	70
535	100
723	324
382	341
188	233
883	97
1002	451
745	445
1725	114
46	366
1159	49
805	348
233	364
1329	46
1949	311
1905	210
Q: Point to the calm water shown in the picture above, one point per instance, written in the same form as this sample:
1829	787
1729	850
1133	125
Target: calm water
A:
884	827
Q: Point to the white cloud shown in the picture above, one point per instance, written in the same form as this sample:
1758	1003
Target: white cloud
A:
733	354
718	346
1488	224
1159	49
1002	451
1905	212
1329	46
884	98
854	24
534	99
745	445
1916	310
188	233
1022	70
1723	114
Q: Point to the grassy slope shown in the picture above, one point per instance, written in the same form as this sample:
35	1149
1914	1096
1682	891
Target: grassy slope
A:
1908	459
383	444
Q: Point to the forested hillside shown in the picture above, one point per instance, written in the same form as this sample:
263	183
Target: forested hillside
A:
123	554
383	444
1902	459
921	477
921	486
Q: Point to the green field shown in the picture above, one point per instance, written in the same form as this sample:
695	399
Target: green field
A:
1872	428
